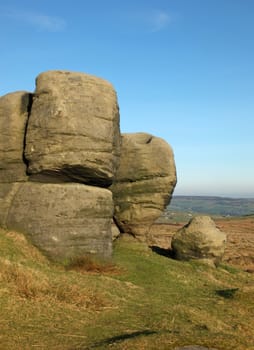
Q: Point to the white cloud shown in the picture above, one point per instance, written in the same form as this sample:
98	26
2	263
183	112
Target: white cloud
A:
39	21
151	20
160	20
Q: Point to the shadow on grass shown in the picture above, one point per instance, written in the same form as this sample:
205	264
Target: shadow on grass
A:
164	252
116	339
228	293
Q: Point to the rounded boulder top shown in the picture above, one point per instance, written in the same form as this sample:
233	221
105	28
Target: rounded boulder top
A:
73	131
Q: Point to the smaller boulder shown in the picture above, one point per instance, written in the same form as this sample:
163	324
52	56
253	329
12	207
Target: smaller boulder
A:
199	239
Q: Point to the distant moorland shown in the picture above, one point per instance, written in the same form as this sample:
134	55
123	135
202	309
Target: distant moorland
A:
221	206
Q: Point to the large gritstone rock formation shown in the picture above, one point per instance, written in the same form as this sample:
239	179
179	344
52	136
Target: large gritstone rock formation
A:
144	183
73	131
62	156
199	239
63	138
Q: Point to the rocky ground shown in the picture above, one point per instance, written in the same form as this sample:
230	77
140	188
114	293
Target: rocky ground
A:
240	239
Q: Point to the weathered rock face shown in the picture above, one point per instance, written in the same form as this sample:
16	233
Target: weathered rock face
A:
199	239
63	220
115	231
58	142
14	109
73	132
7	193
160	235
144	182
70	131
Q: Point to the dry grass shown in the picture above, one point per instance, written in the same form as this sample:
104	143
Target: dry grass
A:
140	301
27	250
86	264
27	283
240	245
24	282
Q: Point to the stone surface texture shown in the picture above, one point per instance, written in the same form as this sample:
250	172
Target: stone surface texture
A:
115	231
7	193
145	180
199	239
63	220
14	108
73	132
160	235
62	157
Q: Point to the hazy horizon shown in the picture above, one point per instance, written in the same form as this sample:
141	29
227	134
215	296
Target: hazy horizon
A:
203	194
213	190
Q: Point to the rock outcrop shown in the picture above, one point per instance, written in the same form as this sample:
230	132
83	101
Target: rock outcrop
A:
73	132
144	183
55	144
199	239
62	156
14	109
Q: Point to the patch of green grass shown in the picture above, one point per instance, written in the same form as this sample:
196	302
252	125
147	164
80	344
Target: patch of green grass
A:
230	269
152	302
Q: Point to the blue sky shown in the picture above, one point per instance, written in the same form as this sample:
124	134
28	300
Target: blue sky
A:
183	71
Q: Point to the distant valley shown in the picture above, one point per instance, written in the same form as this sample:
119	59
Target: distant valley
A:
221	206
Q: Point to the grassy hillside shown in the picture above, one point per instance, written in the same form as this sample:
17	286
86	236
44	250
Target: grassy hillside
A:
212	205
142	301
